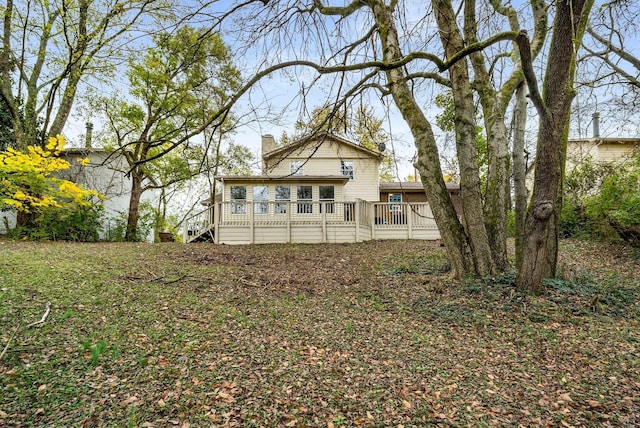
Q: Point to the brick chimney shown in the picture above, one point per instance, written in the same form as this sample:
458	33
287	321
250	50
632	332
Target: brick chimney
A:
268	144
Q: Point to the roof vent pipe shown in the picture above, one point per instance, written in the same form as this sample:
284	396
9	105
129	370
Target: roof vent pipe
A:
89	135
596	125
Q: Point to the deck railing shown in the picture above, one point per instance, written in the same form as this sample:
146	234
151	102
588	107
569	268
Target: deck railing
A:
236	213
360	219
388	215
198	224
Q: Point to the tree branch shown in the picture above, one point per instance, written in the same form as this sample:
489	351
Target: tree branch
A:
529	74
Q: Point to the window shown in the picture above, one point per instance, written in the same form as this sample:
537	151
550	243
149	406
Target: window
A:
297	168
327	195
346	169
305	197
283	196
260	199
395	199
238	200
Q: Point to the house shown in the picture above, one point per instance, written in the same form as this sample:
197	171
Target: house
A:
105	173
612	151
412	191
320	188
596	149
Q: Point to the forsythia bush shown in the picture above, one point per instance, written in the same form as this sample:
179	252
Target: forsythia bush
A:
27	180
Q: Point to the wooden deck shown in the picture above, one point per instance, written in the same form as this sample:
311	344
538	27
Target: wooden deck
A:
310	222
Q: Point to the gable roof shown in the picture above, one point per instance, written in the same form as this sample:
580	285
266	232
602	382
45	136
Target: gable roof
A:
317	138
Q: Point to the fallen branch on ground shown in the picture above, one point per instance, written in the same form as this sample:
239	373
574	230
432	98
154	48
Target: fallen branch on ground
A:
47	310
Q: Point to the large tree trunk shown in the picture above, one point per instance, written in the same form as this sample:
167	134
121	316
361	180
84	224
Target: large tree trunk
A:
540	250
131	233
428	162
519	169
466	144
497	190
494	105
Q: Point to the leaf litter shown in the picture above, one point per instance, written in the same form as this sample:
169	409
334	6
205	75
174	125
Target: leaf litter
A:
371	334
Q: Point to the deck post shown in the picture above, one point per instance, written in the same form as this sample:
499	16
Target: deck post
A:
217	206
323	216
410	221
185	231
356	213
289	208
251	223
373	221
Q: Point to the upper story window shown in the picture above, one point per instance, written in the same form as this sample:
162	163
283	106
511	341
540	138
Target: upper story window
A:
346	168
260	199
297	168
238	200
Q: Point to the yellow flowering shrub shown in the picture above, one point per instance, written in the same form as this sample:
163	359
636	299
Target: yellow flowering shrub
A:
27	180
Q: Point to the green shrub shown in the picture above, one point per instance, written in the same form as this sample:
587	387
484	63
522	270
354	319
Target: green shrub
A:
602	200
68	223
617	206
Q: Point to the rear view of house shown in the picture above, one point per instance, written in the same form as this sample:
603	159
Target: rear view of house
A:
321	188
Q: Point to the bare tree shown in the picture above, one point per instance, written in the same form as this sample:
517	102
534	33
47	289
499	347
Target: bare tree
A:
49	47
390	49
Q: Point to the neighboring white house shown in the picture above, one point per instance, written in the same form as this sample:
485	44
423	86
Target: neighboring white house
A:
106	173
321	188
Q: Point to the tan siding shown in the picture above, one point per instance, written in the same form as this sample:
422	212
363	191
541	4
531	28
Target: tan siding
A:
614	152
306	234
326	161
341	234
234	235
366	181
270	234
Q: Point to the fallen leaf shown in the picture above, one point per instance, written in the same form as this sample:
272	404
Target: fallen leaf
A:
130	400
565	397
593	403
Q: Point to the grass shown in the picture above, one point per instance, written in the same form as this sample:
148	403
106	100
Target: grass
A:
372	334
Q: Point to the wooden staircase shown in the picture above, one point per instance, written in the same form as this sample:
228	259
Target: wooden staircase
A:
199	227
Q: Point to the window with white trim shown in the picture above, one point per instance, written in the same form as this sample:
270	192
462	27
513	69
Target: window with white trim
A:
238	199
346	169
297	167
395	201
327	197
305	199
261	199
283	196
